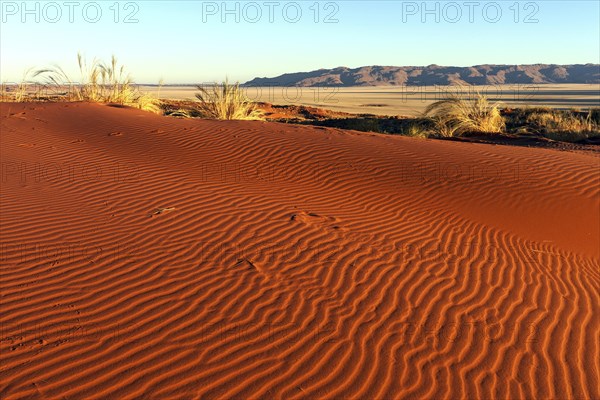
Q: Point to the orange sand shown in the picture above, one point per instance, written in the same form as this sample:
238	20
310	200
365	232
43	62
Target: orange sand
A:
158	258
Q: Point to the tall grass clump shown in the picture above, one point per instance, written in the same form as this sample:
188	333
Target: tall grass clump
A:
226	101
456	116
100	83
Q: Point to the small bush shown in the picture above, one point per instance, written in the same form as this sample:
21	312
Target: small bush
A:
561	125
456	116
226	101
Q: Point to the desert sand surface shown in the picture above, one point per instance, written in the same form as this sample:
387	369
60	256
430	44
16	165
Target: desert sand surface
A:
408	100
160	258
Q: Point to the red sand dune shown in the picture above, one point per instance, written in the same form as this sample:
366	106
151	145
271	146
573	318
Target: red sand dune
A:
158	258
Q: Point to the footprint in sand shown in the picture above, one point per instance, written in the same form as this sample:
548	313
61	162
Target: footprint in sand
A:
313	219
20	115
115	134
251	266
159	211
247	263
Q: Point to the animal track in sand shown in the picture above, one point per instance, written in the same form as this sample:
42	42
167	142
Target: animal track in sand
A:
18	115
317	221
161	210
312	218
250	265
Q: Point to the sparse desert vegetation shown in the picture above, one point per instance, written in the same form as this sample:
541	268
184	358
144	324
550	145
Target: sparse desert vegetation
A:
100	82
474	116
460	113
457	116
226	101
24	90
561	125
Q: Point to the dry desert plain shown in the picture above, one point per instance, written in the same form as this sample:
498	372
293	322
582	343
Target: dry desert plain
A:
407	100
150	257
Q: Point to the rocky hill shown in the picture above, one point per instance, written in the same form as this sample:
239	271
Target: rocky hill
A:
437	75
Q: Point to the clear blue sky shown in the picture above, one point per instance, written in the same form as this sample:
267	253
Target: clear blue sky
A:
188	41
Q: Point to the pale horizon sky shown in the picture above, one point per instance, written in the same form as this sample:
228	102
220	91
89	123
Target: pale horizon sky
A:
196	41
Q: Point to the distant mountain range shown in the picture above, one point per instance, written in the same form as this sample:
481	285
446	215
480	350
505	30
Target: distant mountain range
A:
437	75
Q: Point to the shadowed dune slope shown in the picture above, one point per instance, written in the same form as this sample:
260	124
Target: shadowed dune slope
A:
153	257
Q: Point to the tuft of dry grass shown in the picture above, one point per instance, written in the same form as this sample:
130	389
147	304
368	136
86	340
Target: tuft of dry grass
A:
25	90
100	83
21	90
417	130
562	122
456	116
226	101
562	125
